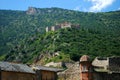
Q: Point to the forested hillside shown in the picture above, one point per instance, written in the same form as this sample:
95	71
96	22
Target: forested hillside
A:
22	34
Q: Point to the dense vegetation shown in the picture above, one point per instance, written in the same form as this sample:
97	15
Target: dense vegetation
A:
22	35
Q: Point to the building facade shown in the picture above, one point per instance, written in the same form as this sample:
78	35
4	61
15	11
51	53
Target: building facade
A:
85	68
106	68
12	71
100	68
61	26
46	73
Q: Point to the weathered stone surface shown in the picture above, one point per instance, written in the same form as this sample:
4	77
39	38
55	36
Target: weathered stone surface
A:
72	73
54	64
31	11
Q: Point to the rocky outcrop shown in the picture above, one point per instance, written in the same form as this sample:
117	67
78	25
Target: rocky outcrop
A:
53	64
41	58
31	11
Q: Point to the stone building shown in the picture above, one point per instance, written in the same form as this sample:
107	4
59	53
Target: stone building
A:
66	25
56	27
48	29
61	26
106	68
12	71
99	69
85	68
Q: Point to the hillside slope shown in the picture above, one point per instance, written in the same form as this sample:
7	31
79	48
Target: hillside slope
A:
70	43
18	27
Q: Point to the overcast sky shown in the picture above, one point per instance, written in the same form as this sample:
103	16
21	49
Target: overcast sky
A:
80	5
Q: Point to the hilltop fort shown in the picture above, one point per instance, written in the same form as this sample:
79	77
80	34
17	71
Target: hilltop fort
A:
61	26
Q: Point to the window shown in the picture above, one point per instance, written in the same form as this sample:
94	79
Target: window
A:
84	68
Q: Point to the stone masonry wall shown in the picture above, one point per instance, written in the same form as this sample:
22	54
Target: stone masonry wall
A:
72	73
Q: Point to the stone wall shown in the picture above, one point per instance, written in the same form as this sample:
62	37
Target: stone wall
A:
106	76
48	29
61	26
68	64
72	73
114	64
